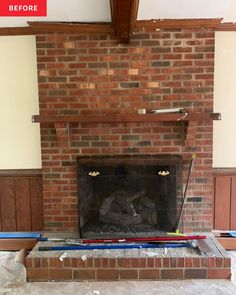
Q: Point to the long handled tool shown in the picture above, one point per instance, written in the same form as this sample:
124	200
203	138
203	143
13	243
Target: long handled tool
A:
135	240
117	246
176	228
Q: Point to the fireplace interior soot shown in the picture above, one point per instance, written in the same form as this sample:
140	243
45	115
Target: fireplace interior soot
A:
128	196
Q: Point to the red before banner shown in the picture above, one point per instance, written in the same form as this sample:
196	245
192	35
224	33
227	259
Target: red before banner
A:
23	7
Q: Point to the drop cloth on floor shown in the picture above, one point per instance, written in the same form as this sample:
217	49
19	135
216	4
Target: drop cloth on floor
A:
12	274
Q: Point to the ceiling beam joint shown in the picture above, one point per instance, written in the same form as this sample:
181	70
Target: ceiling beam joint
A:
124	16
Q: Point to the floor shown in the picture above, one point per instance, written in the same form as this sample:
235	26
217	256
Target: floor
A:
12	281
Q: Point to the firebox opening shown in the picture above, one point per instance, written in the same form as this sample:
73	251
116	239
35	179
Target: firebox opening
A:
128	195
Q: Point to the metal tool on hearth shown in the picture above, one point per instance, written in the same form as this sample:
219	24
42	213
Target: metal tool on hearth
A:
176	228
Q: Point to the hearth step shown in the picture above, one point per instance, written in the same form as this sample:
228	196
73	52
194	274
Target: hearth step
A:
128	264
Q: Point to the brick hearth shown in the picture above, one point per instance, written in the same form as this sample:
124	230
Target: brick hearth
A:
129	264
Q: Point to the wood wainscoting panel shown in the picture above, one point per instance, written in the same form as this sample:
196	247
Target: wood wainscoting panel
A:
233	203
21	204
36	194
224	199
222	202
8	205
22	195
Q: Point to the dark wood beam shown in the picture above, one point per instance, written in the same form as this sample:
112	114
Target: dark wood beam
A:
35	28
226	27
124	15
124	27
13	31
179	23
72	28
120	118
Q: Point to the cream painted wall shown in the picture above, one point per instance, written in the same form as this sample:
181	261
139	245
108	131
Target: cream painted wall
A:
19	138
224	148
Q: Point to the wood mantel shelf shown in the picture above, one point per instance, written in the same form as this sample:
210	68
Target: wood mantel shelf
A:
124	118
190	120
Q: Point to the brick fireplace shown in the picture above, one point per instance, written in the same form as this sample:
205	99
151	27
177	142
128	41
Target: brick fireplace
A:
92	74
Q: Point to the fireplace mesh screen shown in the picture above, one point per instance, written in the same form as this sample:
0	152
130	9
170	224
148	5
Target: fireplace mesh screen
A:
128	195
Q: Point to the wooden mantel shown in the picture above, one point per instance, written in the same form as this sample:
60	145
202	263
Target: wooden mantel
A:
61	123
124	118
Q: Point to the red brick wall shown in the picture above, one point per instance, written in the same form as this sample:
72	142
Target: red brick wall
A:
84	74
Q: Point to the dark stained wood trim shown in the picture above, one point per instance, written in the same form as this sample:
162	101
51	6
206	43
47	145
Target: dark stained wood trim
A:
227	243
222	200
129	24
36	203
35	28
226	27
124	15
20	172
233	203
14	31
179	23
223	237
8	205
134	14
113	9
126	118
224	171
21	200
17	244
72	28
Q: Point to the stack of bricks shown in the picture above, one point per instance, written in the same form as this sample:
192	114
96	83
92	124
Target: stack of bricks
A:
92	74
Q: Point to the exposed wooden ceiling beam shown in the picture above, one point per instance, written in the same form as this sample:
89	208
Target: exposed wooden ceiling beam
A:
11	31
179	23
73	27
226	27
124	15
35	28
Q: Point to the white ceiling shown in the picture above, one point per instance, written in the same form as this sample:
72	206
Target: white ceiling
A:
159	9
99	11
67	11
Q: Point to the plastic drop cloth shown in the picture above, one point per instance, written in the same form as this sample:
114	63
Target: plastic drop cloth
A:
12	273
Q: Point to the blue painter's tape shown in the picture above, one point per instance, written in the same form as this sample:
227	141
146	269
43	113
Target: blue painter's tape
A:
19	235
